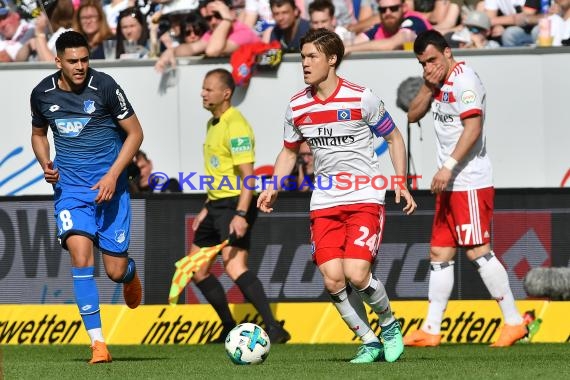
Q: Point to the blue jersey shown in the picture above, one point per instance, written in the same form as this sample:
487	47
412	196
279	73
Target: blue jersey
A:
85	128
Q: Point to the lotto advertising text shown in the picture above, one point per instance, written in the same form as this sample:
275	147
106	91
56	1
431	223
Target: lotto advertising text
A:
342	181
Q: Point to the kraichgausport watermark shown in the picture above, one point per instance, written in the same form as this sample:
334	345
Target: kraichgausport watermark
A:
342	181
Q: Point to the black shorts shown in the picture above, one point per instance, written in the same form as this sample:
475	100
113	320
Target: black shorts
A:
215	228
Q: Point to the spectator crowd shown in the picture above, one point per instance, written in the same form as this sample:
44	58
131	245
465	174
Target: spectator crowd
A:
166	29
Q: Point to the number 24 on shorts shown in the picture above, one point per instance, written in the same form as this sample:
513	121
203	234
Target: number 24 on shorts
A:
365	239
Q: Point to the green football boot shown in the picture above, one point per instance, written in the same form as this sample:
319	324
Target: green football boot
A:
391	337
369	353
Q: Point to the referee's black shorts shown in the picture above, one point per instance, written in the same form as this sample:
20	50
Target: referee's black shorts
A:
215	228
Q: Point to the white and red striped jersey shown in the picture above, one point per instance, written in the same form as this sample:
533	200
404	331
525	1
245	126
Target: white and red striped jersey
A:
461	96
339	131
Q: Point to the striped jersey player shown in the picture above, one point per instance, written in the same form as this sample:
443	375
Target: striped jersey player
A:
339	119
460	97
463	187
340	132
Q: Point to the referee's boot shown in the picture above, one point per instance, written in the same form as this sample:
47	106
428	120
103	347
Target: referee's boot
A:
277	334
223	334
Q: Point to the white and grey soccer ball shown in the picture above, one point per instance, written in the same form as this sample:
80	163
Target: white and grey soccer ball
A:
247	343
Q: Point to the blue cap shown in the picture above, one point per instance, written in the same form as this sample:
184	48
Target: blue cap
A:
4	8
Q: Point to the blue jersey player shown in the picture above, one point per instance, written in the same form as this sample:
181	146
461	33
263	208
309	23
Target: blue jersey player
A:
96	134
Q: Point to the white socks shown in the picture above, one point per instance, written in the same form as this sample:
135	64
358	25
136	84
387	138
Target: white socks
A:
96	335
441	280
496	280
494	277
375	296
350	307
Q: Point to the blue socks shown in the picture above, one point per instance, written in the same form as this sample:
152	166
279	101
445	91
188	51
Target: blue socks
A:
87	296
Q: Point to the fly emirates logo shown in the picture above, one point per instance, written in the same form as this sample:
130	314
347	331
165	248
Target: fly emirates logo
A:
442	118
326	138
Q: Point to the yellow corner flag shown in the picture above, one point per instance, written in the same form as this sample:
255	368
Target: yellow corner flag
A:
186	266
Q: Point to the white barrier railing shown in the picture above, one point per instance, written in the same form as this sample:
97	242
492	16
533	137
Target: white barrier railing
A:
527	121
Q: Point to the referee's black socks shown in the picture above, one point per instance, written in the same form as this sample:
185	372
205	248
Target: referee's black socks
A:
214	293
253	290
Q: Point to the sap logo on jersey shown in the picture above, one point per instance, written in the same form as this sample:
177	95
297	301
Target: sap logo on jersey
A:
71	127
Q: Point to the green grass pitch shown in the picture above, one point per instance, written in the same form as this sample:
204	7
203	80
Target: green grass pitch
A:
291	361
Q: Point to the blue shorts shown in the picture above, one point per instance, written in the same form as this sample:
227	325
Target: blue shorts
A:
107	224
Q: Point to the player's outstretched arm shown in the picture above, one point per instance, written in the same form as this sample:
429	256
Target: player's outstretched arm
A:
131	145
283	166
40	146
397	151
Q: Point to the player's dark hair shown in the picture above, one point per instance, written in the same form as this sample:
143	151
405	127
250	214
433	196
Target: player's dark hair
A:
280	3
430	37
321	6
225	76
327	42
70	39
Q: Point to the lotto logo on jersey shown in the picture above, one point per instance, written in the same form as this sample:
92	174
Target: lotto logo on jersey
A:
71	127
240	144
343	115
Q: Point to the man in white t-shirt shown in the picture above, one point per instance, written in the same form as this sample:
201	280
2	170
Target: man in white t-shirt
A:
560	23
463	185
514	21
338	120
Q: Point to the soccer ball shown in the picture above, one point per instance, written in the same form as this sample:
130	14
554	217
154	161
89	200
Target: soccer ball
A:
247	343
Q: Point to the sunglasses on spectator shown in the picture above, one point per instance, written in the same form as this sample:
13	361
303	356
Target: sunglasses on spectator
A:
213	15
2	17
392	8
194	30
475	30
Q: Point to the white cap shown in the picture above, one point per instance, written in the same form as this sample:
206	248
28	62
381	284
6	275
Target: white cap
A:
478	19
